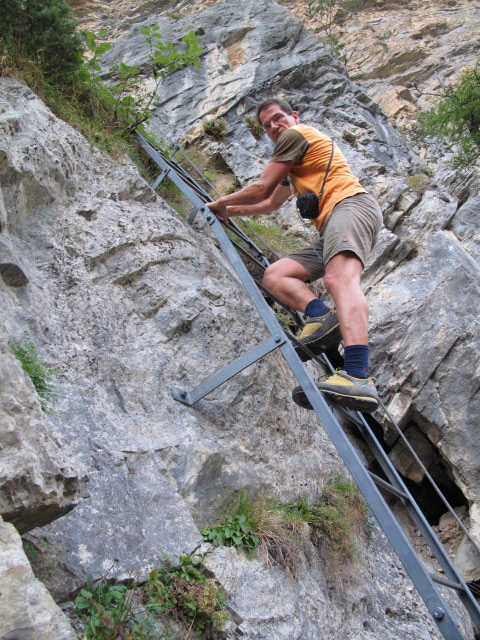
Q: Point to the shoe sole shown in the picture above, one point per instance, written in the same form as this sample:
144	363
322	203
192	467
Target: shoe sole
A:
357	403
317	346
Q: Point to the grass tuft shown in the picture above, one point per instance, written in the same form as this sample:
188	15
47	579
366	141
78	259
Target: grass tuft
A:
280	531
39	372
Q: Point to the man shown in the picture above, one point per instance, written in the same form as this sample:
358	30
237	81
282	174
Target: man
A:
348	220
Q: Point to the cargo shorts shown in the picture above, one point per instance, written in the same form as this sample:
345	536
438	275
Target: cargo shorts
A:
353	225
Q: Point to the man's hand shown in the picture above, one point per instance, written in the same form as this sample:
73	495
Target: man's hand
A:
219	209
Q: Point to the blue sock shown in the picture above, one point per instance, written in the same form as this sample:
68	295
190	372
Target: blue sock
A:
316	308
356	361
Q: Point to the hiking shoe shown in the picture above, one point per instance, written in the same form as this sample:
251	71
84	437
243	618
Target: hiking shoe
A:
319	334
346	391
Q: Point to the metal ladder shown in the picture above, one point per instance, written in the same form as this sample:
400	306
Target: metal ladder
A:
366	481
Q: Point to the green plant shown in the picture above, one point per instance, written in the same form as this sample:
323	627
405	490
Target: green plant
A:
108	612
252	522
45	31
130	104
234	532
349	137
417	182
236	528
39	372
254	126
215	127
188	595
280	241
233	186
455	118
284	320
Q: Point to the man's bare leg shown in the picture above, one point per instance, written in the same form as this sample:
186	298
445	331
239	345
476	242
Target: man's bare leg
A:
342	281
286	279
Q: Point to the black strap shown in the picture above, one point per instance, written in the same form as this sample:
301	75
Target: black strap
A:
326	174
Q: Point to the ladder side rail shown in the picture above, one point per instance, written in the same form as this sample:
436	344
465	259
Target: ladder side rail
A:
357	418
260	256
392	529
429	477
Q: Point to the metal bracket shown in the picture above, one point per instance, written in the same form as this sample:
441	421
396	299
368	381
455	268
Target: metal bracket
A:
161	178
229	371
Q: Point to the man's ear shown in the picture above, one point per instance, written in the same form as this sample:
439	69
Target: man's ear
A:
296	116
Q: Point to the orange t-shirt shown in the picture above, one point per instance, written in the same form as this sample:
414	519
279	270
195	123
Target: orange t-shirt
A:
310	150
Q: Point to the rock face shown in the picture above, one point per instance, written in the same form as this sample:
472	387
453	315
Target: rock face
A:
27	610
433	244
40	478
127	301
132	302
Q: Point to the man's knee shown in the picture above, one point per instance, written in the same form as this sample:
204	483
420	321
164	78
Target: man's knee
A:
271	275
284	268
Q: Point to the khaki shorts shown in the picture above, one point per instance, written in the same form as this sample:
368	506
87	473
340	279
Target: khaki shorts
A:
353	225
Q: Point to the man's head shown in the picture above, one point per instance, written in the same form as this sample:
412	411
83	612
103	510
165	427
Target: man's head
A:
276	116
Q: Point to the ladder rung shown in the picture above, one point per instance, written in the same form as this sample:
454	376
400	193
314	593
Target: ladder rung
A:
446	583
389	487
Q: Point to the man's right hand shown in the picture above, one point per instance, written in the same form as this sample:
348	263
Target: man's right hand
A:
219	209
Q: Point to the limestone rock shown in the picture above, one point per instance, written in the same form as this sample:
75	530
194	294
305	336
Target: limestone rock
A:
40	479
133	302
10	270
247	58
27	610
424	347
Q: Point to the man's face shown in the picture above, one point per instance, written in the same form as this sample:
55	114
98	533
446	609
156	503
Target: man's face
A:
275	120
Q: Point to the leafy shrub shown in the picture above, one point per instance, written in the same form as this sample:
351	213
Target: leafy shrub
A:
44	30
215	127
36	369
182	593
109	613
129	104
455	118
106	115
188	595
254	126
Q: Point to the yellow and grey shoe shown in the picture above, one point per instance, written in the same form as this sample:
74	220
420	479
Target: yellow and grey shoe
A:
352	393
319	334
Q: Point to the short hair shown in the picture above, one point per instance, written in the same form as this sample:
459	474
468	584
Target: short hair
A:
283	104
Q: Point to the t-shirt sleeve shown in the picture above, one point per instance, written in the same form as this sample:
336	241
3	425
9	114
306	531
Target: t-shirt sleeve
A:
291	146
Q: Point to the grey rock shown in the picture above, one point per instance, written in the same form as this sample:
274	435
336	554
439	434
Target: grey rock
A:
424	347
464	224
246	59
134	302
40	478
318	604
10	270
27	610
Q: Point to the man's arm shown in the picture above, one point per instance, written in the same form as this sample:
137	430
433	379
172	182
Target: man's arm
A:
256	192
278	197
